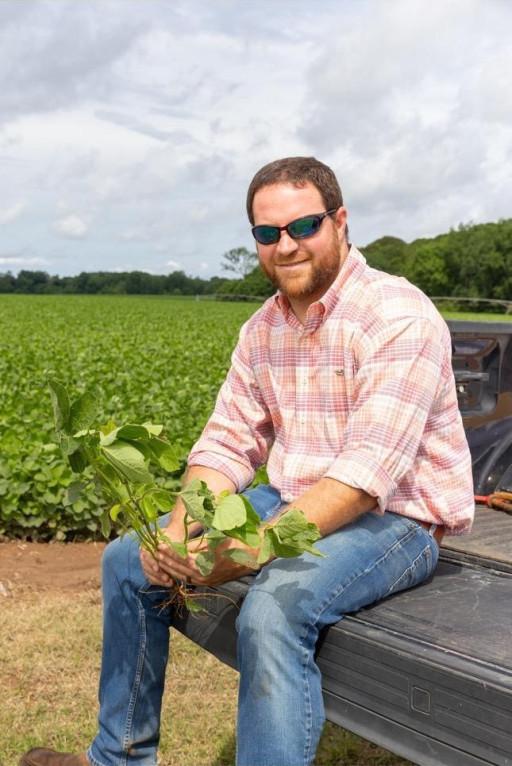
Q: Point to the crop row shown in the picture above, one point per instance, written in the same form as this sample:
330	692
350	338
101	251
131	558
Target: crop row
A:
145	359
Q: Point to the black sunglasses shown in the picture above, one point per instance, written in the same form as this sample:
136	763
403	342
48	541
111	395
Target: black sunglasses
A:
301	228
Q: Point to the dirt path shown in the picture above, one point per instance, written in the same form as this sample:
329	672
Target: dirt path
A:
55	567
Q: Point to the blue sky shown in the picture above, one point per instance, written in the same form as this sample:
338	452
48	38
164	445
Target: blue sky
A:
130	129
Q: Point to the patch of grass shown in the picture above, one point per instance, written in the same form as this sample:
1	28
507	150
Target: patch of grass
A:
50	655
473	317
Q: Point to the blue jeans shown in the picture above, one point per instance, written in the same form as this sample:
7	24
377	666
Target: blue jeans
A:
280	712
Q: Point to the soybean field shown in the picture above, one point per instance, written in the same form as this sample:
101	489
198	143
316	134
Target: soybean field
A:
145	358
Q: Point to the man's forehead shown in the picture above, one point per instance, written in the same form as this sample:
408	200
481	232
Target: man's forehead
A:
285	193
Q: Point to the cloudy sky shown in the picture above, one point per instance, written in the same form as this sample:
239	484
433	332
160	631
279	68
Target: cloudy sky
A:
130	129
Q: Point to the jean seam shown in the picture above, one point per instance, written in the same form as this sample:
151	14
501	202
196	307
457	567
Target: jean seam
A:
137	679
92	760
307	700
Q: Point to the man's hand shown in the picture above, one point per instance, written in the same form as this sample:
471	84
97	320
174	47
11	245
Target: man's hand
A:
169	566
159	569
224	569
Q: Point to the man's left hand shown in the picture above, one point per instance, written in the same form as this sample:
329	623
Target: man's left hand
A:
224	568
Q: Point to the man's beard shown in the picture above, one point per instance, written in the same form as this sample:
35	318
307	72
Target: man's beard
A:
325	271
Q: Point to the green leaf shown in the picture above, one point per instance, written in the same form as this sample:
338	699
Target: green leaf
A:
266	550
61	406
214	538
193	606
180	548
205	561
132	431
73	492
128	432
284	550
66	444
293	524
149	509
164	454
194	497
82	413
307	548
230	513
201	489
129	461
106	526
154	428
252	517
247	535
162	500
77	461
240	556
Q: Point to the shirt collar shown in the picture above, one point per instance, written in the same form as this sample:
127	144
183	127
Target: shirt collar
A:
320	310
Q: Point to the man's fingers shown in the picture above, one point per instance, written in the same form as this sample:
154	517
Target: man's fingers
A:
153	571
167	565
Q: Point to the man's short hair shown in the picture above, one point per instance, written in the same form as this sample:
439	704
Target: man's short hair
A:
297	171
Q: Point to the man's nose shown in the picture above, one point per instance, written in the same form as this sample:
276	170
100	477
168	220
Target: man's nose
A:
286	244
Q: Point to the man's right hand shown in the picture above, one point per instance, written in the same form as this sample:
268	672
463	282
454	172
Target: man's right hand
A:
151	567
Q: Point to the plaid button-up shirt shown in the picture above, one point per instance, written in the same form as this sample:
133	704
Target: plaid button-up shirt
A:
363	393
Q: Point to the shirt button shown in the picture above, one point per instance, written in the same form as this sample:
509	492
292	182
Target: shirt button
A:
287	497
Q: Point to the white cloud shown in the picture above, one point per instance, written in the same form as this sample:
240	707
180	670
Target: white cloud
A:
13	212
71	226
174	266
415	117
22	261
133	235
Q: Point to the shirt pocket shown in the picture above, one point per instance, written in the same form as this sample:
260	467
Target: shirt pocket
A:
336	396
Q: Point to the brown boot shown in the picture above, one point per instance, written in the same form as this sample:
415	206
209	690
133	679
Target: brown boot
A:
42	756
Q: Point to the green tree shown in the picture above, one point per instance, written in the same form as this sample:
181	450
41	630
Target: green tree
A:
240	260
386	254
425	267
254	284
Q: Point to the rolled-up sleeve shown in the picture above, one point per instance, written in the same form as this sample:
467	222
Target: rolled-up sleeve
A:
237	438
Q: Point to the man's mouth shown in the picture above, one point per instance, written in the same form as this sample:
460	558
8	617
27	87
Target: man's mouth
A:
291	265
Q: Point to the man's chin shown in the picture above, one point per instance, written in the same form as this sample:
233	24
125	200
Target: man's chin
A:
293	288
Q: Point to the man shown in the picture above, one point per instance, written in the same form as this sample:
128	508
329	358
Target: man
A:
342	385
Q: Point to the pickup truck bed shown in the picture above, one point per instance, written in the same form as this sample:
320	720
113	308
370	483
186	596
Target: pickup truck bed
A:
426	673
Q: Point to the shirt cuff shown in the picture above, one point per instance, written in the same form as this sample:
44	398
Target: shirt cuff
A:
239	474
362	472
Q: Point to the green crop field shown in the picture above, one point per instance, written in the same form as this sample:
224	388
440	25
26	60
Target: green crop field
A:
145	359
156	359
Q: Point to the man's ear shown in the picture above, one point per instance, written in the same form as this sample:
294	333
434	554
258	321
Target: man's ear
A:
340	221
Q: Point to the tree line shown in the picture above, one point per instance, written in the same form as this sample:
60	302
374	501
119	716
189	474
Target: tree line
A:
473	261
109	283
